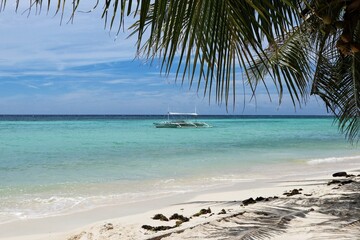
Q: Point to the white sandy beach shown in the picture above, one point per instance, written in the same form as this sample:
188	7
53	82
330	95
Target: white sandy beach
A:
320	211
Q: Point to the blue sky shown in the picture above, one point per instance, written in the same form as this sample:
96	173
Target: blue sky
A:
79	68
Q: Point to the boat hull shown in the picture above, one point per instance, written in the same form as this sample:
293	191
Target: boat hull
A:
181	124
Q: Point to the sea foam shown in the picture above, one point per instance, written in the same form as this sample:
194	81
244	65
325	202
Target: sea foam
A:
331	160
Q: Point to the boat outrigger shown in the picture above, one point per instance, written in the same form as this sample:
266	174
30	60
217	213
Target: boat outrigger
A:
181	123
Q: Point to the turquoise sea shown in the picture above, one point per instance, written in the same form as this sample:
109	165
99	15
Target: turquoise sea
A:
53	165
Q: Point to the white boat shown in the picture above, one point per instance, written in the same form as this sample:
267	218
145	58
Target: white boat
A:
182	123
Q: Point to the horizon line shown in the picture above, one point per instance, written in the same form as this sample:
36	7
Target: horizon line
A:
157	114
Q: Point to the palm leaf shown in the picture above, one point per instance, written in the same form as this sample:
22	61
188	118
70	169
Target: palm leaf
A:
210	40
338	84
287	61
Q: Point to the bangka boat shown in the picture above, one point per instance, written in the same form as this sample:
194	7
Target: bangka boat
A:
183	123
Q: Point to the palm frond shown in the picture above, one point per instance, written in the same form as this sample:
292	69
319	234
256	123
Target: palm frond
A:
288	62
338	84
211	40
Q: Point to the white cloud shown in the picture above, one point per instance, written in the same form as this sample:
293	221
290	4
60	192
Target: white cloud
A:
48	84
39	42
118	81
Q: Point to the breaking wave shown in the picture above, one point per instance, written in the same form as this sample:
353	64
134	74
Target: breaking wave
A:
332	160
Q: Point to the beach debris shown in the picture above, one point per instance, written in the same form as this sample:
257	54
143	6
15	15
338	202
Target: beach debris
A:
334	182
77	236
178	223
248	201
276	197
202	212
259	199
176	216
181	219
350	175
340	182
293	192
157	228
261	213
108	226
339	174
160	217
223	211
308	194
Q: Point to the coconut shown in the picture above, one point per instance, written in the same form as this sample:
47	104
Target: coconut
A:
355	47
343	47
327	20
339	24
345	37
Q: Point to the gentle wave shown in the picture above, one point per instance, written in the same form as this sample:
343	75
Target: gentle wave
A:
331	160
55	205
32	207
231	179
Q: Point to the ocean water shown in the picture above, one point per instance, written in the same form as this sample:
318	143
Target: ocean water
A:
52	165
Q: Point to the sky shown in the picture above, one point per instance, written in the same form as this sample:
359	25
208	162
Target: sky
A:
83	68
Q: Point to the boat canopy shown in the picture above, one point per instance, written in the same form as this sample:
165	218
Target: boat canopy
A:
183	114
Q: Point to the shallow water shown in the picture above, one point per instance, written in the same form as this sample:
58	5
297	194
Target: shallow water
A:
55	164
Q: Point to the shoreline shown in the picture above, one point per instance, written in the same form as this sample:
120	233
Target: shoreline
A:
185	188
130	217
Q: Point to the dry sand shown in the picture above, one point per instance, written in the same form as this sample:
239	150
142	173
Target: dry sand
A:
318	211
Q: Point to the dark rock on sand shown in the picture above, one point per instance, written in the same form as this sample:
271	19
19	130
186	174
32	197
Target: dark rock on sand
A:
222	212
156	229
176	216
259	199
202	212
148	227
293	192
334	182
248	201
162	228
339	174
347	182
160	217
340	182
